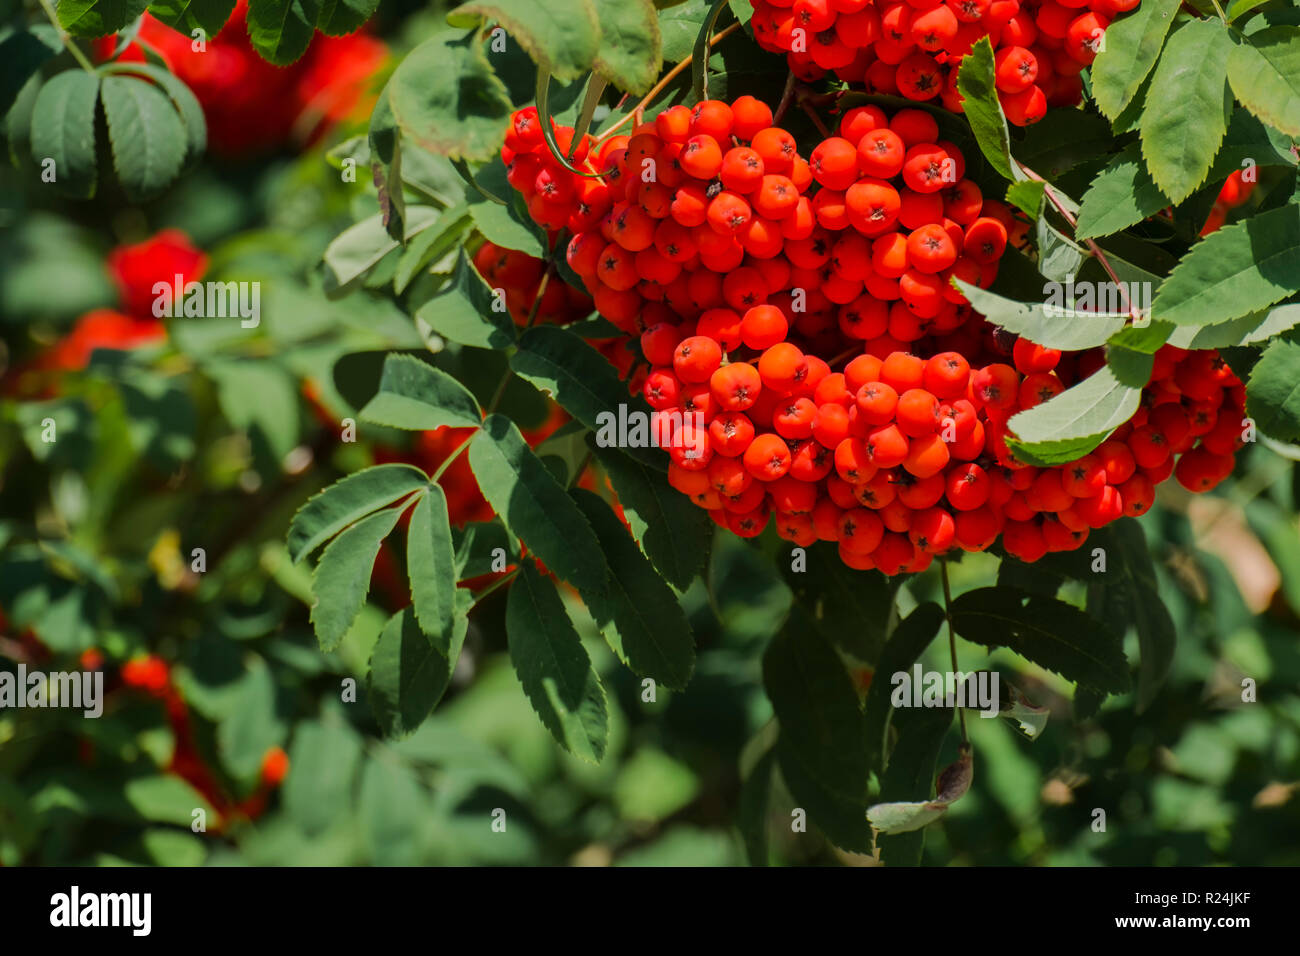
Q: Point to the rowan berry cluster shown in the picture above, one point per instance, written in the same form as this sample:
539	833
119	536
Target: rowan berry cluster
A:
914	48
749	274
518	275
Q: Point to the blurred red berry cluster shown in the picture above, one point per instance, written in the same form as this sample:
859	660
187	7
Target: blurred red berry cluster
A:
253	106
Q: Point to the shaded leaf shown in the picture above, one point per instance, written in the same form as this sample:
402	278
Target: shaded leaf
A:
533	505
464	311
674	533
650	632
446	98
431	563
561	38
342	577
1273	391
554	668
63	130
903	649
1049	632
417	396
817	706
347	500
281	30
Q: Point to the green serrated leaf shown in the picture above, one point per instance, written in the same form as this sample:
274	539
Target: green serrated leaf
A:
1143	339
342	577
1122	194
1256	327
629	54
97	18
466	311
506	226
445	97
281	30
341	17
357	249
554	668
650	632
347	501
411	670
1273	391
1047	631
817	706
1187	108
187	15
1051	324
851	608
477	545
431	245
980	105
182	98
673	533
417	396
1264	70
1133	44
63	130
533	505
1236	270
1129	558
1027	196
431	563
22	53
322	767
569	370
1076	421
903	649
841	819
561	38
910	775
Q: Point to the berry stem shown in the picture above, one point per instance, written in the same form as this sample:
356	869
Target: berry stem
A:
498	583
537	296
1093	248
816	120
446	463
952	641
69	44
786	96
662	85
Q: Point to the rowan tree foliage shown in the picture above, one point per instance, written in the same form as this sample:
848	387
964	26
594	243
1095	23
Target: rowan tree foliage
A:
666	381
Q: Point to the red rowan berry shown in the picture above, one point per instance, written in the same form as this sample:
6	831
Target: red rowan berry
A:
933	530
763	327
730	433
767	457
696	358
